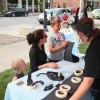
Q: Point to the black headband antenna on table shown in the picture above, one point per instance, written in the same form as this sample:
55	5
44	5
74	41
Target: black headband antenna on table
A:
55	76
29	80
85	11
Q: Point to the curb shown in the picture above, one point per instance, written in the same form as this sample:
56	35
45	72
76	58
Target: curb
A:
1	16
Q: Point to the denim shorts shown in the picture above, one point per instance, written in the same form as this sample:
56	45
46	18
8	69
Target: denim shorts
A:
88	96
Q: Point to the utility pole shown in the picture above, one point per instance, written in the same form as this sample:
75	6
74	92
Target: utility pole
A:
48	4
80	5
86	2
92	4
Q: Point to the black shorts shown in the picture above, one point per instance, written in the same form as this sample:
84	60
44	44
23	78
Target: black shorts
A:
54	60
95	93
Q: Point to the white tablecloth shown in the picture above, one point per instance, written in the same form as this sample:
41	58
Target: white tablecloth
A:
15	92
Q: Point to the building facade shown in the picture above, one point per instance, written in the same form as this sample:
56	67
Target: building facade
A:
74	3
3	3
67	3
56	3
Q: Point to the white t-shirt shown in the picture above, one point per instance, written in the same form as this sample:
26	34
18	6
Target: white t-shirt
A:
55	40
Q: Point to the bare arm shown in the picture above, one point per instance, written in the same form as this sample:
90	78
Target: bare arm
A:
83	88
55	49
14	78
50	64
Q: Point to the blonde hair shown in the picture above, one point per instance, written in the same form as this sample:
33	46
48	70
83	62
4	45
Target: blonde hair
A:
16	64
54	21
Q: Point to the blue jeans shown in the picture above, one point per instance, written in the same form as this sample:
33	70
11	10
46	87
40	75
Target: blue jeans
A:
87	96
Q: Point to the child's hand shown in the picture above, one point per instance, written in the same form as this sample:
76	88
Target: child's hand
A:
65	43
53	64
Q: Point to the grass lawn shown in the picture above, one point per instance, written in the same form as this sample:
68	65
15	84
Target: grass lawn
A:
6	76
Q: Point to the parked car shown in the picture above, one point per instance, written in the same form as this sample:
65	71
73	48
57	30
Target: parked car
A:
55	12
16	12
96	13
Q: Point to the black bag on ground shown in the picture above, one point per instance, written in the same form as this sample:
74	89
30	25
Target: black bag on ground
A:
68	56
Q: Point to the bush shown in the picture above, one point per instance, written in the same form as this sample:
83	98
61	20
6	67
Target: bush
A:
1	9
64	5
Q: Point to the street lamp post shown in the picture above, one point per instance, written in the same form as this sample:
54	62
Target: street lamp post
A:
45	19
86	2
45	22
92	4
48	4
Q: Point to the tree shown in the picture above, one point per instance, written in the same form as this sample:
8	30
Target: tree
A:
40	3
1	8
13	1
64	5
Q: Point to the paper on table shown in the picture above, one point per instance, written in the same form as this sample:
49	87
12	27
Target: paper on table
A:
70	36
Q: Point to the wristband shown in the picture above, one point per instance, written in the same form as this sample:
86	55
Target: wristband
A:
78	72
61	93
67	88
76	79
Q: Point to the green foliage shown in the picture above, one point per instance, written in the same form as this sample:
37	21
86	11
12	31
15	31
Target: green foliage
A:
95	5
14	1
40	3
1	8
82	48
64	5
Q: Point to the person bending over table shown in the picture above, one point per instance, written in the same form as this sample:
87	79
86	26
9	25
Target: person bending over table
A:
37	55
91	36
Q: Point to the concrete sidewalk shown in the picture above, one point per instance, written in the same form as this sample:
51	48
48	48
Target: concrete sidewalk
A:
13	51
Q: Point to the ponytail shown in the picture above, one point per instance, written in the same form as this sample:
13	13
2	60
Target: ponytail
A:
30	38
34	37
94	33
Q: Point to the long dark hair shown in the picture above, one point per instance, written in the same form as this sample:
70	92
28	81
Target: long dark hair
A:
94	31
33	38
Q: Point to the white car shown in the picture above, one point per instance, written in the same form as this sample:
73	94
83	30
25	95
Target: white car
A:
55	12
96	13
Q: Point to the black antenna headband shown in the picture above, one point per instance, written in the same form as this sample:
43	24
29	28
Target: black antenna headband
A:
83	27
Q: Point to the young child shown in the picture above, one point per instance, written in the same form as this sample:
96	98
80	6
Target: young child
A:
56	41
18	66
